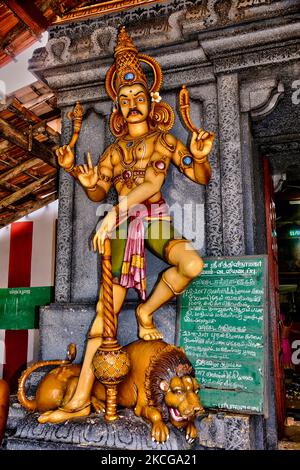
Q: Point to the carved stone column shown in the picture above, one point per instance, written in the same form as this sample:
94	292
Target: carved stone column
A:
213	209
231	164
65	224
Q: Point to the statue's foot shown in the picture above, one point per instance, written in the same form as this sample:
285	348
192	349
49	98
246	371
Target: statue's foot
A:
147	329
61	415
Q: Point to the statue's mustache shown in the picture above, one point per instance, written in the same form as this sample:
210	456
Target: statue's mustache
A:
133	111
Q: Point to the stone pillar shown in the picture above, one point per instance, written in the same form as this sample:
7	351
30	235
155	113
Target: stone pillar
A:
231	164
65	224
213	208
85	285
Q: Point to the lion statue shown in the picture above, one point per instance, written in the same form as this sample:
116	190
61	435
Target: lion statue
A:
160	387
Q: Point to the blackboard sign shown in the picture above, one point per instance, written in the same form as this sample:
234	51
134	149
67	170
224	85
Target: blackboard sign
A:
222	329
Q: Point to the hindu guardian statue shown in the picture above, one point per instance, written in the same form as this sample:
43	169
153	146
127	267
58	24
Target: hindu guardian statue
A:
137	164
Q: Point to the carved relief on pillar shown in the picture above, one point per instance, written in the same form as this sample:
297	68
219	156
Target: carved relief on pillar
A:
213	208
207	96
65	225
231	164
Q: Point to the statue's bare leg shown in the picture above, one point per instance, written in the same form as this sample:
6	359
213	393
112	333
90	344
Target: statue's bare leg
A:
187	265
80	405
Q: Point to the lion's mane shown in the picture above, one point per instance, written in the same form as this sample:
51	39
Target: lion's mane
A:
166	364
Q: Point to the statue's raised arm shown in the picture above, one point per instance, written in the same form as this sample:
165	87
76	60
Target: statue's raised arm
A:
96	180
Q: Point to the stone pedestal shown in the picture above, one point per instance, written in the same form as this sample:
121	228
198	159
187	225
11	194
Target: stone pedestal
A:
92	433
69	323
216	431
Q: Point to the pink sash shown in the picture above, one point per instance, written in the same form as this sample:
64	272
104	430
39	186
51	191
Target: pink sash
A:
134	262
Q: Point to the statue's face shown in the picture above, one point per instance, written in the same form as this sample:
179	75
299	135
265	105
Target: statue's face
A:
134	103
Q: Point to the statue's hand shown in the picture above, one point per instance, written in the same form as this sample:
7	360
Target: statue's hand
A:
107	226
88	175
65	157
201	143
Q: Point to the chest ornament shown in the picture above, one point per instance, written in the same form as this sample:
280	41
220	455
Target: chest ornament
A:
159	166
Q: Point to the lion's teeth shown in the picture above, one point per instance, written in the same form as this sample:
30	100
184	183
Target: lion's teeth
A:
176	414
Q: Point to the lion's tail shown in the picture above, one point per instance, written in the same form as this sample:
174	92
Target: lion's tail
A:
31	405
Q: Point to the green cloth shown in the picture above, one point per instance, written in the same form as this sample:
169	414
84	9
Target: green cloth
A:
157	234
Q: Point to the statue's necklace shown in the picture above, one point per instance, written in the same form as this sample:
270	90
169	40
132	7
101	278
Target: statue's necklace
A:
127	174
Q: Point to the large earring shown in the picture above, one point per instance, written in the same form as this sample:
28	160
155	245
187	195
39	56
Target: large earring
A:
117	123
162	116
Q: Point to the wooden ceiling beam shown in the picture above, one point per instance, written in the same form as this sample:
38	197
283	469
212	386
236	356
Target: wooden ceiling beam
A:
16	196
12	208
5	146
29	15
33	206
16	137
18	169
10	166
10	187
39	99
11	35
51	115
32	117
46	189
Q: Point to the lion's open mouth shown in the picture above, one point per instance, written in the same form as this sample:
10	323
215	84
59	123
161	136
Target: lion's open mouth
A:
175	415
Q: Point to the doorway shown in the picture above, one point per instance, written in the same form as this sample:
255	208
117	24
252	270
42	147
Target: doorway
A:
283	225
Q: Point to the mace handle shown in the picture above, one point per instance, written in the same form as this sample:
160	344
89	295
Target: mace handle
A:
111	403
109	327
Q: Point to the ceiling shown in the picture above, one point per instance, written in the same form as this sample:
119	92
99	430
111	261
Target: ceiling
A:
23	21
29	133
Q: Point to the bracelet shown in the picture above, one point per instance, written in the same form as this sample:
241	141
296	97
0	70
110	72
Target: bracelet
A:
92	189
201	160
69	170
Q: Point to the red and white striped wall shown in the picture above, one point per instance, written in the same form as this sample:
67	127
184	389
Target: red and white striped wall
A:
27	259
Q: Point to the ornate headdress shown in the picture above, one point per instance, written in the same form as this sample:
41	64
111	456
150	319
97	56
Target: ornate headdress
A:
127	70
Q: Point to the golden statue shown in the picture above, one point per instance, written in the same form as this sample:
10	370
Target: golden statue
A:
136	164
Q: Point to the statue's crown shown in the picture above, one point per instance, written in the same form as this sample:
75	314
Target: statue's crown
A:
128	66
127	70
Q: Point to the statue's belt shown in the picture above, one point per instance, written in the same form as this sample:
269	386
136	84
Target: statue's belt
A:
129	175
135	212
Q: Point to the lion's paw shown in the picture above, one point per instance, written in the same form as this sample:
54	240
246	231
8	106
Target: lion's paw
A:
191	433
98	405
160	432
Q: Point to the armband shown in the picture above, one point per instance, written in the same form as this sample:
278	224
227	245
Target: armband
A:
186	161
